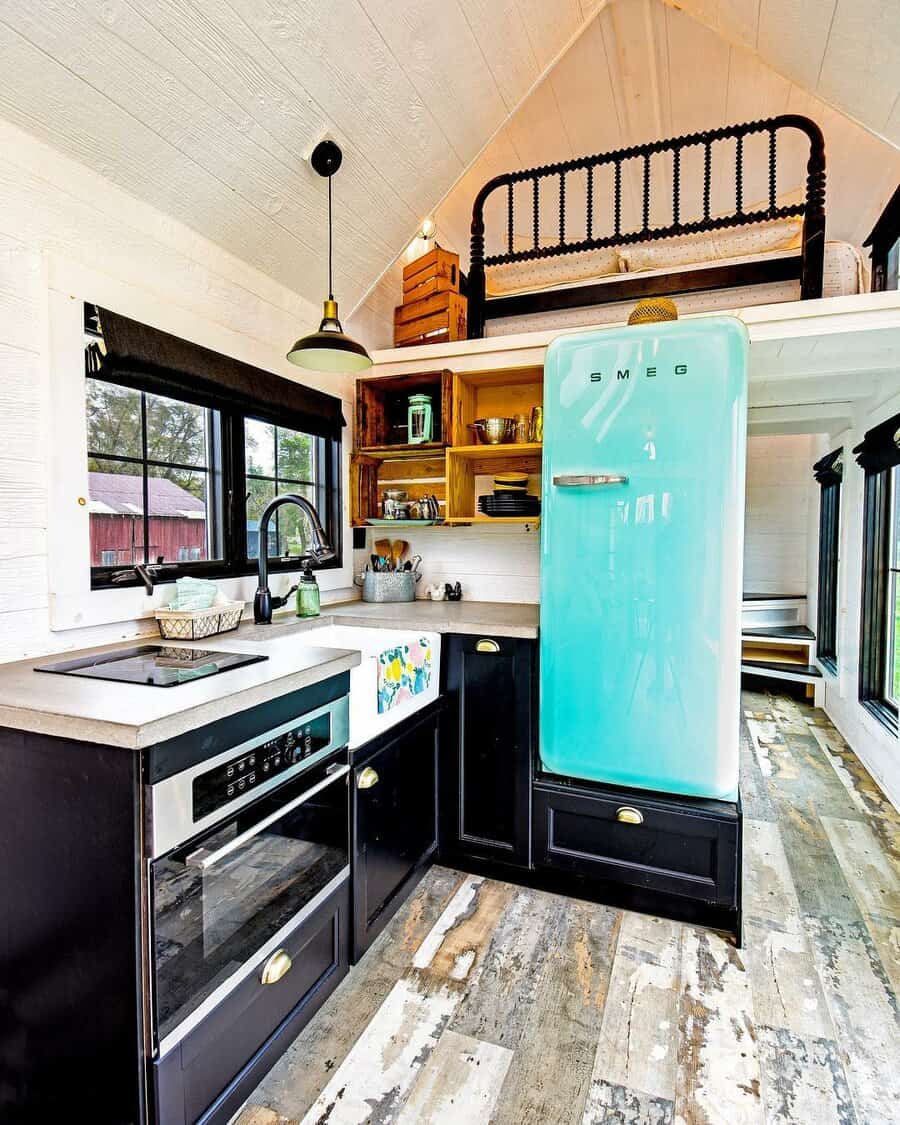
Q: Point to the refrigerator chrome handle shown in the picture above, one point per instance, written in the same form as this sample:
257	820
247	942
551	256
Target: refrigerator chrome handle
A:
585	479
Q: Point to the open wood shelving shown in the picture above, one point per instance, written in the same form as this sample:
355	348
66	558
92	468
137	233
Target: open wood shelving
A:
458	472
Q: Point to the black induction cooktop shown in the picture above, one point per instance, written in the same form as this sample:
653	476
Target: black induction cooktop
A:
154	665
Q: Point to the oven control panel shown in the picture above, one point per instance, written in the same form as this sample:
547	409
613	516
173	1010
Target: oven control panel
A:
215	788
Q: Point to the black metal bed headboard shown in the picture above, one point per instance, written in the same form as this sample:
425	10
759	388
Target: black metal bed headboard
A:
811	209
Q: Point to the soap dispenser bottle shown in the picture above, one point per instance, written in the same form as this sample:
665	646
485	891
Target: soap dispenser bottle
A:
308	601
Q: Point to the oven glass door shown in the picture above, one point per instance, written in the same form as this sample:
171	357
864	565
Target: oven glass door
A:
217	900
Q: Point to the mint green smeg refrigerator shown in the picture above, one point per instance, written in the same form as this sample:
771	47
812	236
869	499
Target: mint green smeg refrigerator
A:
642	552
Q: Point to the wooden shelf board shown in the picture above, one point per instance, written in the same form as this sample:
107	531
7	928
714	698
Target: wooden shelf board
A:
486	452
402	452
533	520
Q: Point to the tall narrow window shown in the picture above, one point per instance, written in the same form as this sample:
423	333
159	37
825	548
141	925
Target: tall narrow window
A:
892	671
280	460
828	472
879	668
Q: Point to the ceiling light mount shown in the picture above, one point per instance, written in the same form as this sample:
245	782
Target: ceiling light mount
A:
326	158
329	349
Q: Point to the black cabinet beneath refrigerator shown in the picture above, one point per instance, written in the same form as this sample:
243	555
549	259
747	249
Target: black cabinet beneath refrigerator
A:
676	855
394	820
488	743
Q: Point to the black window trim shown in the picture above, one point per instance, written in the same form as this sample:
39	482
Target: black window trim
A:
878	453
829	473
235	563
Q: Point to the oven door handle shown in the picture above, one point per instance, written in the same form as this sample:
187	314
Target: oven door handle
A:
204	860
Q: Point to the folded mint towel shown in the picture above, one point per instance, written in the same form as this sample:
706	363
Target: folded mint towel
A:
194	593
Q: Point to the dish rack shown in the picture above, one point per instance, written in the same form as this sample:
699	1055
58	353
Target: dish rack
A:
196	624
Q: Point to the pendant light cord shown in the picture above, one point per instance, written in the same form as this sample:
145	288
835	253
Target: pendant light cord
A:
330	284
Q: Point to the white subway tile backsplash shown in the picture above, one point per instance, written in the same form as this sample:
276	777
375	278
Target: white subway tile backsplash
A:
493	564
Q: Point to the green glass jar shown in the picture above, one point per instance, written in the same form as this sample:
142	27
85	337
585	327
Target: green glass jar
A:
308	601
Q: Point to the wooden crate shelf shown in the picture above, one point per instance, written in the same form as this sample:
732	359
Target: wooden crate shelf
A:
493	394
466	464
381	406
420	472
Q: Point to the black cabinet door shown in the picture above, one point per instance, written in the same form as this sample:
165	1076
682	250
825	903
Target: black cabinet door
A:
487	752
394	822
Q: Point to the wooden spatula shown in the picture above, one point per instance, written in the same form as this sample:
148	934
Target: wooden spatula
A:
383	548
398	549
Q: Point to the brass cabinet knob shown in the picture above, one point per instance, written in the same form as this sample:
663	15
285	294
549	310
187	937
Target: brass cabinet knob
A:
628	815
367	778
487	646
276	967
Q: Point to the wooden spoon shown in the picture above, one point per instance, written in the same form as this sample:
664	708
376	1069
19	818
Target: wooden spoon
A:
383	547
398	549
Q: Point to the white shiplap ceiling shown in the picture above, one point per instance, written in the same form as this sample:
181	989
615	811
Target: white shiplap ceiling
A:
643	70
206	109
845	51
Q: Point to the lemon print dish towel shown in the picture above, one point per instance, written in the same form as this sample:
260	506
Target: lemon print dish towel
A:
403	672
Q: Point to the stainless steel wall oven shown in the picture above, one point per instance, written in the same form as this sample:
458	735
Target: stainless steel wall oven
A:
242	846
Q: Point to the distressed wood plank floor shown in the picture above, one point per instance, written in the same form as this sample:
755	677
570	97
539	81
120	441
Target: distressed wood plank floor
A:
484	1002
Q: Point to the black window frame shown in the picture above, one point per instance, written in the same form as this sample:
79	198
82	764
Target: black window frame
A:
230	433
878	454
829	473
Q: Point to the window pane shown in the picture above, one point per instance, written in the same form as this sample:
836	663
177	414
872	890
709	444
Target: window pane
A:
116	506
113	419
293	526
296	455
179	527
259	493
176	431
259	447
893	595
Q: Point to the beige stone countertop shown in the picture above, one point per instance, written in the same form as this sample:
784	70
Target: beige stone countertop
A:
498	619
135	715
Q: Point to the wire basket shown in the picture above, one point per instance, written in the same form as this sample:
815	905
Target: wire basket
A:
195	624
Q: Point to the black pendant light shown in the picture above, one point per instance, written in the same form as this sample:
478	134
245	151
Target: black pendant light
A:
329	349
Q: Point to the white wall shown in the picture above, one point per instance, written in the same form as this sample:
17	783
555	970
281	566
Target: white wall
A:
493	564
66	236
780	493
878	749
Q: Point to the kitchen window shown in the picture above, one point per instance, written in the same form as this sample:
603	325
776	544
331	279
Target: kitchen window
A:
280	460
879	671
828	472
179	472
154	478
892	669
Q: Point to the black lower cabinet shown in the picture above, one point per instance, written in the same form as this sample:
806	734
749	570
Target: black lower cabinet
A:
679	847
487	747
211	1072
394	821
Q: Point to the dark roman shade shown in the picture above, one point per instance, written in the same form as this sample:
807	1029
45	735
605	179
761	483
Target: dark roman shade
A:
136	353
830	469
880	448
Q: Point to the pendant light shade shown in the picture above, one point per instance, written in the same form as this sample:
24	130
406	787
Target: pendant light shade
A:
329	349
